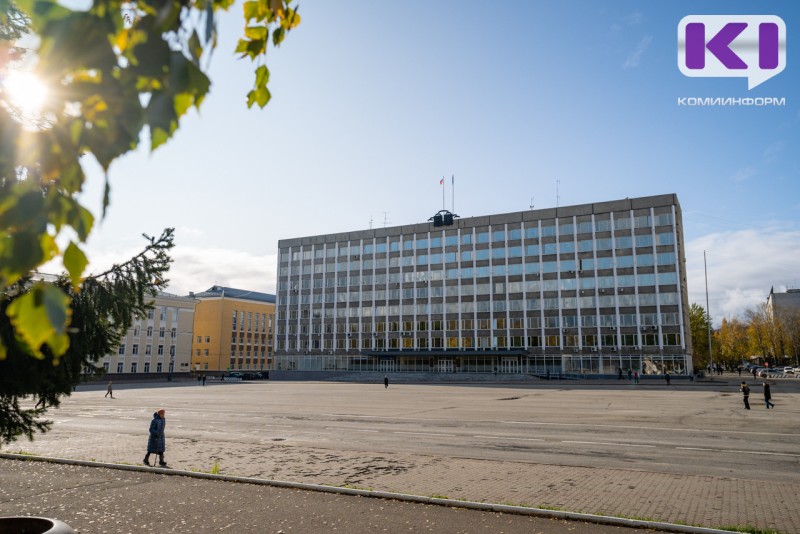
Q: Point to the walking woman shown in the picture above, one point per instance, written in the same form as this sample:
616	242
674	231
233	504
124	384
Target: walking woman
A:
156	443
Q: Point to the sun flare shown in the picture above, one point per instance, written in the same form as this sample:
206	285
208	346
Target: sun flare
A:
24	91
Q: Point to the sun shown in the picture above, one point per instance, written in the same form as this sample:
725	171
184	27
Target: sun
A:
24	92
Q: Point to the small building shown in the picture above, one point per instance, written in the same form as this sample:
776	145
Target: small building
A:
233	330
159	343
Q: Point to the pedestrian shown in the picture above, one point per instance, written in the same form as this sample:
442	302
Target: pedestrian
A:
42	401
740	370
630	374
667	377
199	379
636	377
745	395
385	382
204	380
109	390
754	373
157	443
768	397
619	375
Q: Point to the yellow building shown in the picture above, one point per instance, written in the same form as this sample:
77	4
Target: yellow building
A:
232	330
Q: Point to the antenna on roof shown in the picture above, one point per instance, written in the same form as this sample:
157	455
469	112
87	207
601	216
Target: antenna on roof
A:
385	218
531	203
558	196
370	221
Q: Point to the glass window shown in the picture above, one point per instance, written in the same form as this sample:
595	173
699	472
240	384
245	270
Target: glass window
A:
624	242
498	235
550	248
664	219
451	241
603	225
567	229
665	279
603	244
644	240
532	232
436	242
466	239
514	234
466	256
514	252
622	223
585	227
585	245
666	258
482	254
624	262
498	253
566	246
483	237
532	250
665	239
548	231
641	221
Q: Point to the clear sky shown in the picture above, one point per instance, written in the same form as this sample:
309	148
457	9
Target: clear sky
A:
374	102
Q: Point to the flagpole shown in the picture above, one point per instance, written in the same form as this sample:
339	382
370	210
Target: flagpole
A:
442	192
453	190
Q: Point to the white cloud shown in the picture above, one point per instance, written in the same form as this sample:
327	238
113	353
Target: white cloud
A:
745	173
742	267
635	57
195	268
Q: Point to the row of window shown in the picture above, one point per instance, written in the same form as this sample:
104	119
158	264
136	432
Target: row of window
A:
648	321
162	331
535	305
515	289
238	319
644	259
163	311
587	342
205	353
134	367
148	349
421	241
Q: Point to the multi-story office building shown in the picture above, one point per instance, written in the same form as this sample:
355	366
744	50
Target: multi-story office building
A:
159	343
592	288
233	330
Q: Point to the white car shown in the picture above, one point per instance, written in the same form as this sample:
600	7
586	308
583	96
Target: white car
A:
788	370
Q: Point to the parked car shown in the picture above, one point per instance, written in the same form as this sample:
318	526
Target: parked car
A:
788	370
797	370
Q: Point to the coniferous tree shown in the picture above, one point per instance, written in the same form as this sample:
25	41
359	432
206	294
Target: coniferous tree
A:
102	308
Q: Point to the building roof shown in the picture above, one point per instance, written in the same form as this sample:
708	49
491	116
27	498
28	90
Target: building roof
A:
232	292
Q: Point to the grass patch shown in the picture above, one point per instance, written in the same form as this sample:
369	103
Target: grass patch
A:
23	453
551	508
437	496
215	469
351	486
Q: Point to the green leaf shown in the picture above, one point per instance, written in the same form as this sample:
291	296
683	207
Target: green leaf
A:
195	48
41	316
251	11
262	96
75	262
262	76
256	33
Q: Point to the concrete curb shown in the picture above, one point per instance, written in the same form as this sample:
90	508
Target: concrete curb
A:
486	507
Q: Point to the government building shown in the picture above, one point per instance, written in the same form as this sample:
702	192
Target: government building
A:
590	289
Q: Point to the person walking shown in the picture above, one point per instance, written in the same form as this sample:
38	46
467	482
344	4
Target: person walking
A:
667	377
768	397
619	373
42	401
754	373
630	374
636	377
385	382
109	390
204	380
740	370
157	443
745	395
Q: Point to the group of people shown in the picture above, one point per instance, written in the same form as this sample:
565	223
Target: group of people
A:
745	389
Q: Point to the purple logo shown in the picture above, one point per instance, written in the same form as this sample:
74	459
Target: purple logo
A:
728	46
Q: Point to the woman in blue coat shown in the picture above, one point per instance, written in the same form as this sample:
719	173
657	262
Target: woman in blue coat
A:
157	442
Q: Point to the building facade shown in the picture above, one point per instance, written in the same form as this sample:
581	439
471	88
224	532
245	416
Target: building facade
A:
233	330
586	289
159	343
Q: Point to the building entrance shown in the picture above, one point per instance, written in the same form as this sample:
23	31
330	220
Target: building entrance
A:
445	366
387	366
509	365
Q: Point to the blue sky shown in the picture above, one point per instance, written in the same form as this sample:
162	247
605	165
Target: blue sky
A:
373	102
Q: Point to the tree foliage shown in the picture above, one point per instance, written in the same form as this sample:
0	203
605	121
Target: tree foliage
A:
118	72
102	308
